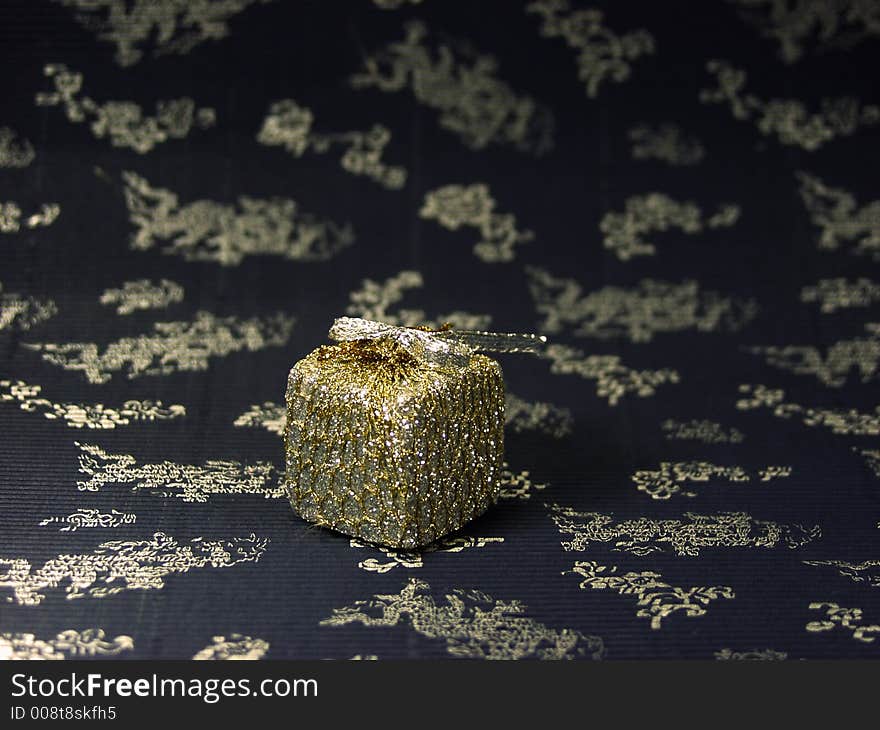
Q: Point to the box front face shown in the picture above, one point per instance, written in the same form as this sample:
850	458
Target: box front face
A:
398	460
341	470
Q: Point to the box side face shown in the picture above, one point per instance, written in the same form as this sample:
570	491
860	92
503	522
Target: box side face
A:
460	449
345	452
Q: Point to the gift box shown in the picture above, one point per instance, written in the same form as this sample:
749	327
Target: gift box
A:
396	435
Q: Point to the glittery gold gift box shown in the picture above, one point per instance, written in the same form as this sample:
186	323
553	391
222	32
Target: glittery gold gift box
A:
383	447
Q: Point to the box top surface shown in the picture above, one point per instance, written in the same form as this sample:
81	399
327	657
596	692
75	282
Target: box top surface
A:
382	369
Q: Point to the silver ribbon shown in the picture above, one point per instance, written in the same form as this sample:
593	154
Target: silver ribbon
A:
440	349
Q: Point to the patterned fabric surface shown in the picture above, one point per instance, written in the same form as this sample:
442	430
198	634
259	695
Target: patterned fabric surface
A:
681	195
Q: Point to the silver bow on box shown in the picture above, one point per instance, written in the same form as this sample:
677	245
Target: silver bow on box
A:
438	348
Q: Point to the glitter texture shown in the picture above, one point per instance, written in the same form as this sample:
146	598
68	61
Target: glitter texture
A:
384	447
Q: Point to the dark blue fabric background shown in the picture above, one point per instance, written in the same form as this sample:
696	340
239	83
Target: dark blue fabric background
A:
307	51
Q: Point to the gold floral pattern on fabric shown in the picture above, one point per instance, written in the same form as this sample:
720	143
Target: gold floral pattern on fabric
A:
683	537
172	346
613	379
868	571
835	294
207	230
472	206
860	355
414	559
602	53
518	485
462	86
872	457
638	313
86	415
187	482
546	418
670	479
91	518
707	432
840	218
788	119
751	655
123	122
473	624
624	232
12	221
67	644
289	125
143	294
375	300
797	24
656	599
774	472
21	312
14	151
268	415
851	422
173	26
849	619
233	647
667	143
123	565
